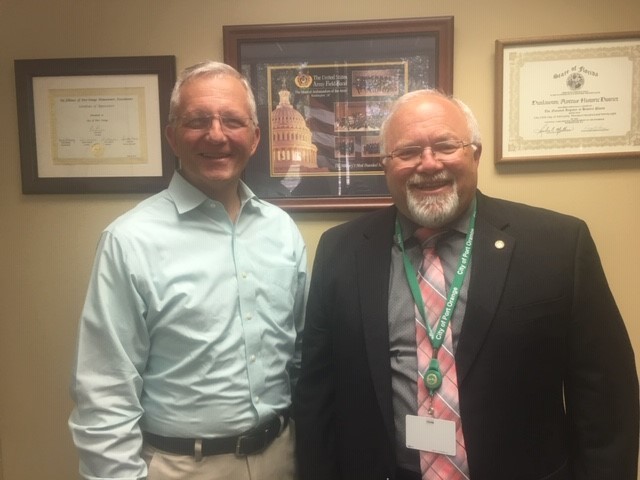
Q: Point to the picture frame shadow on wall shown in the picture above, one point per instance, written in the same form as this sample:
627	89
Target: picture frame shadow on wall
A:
569	97
94	125
322	91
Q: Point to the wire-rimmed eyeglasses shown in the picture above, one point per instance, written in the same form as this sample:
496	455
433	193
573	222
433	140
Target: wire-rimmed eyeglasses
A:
441	151
228	123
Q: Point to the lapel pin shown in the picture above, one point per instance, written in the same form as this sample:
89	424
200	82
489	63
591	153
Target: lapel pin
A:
499	244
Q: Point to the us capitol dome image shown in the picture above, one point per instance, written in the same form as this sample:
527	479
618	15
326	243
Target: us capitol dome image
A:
291	149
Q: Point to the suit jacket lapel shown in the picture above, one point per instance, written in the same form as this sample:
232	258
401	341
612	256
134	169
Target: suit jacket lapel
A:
373	261
492	250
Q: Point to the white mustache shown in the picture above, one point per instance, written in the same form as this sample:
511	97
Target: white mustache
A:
421	180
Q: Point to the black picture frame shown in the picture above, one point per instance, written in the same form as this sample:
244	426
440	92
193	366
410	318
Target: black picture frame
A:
42	125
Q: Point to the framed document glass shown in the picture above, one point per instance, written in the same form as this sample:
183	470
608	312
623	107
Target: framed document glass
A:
322	91
94	125
568	97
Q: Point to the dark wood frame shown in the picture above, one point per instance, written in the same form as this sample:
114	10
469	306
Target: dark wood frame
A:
440	29
25	70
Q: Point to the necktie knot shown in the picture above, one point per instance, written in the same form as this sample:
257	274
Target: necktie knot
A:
423	234
430	238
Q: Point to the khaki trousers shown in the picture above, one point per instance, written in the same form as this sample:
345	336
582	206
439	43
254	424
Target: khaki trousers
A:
275	463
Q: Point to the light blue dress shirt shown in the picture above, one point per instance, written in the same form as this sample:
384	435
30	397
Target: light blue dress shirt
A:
191	326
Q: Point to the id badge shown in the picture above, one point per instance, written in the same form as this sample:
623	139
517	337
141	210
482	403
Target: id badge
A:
431	434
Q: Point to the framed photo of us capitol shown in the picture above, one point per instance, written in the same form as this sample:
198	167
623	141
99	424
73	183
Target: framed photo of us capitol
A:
322	91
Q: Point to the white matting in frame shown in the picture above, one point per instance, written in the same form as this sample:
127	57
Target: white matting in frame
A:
97	126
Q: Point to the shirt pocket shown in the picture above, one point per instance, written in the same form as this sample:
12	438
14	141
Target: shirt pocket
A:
283	278
278	285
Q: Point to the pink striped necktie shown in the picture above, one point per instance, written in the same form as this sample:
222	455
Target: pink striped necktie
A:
444	404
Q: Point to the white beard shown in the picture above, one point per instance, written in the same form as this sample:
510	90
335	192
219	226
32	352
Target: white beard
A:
431	211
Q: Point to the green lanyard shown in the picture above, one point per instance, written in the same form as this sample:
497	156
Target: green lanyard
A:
433	377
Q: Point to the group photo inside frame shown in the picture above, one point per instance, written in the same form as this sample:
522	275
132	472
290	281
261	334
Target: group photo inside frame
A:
568	97
94	125
322	91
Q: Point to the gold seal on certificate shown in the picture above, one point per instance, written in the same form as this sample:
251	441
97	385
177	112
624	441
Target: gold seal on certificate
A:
97	150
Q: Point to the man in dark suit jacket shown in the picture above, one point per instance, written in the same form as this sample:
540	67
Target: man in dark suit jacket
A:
546	374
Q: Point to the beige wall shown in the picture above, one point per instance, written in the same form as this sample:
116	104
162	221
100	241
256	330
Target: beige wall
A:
47	242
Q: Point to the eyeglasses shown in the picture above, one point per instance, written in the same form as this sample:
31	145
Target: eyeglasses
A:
228	123
441	151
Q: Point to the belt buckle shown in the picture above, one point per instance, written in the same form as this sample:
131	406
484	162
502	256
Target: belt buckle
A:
257	439
259	436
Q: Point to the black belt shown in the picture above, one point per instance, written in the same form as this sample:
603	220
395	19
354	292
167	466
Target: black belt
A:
250	442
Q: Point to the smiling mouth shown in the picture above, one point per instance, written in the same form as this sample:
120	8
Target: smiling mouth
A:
214	156
429	185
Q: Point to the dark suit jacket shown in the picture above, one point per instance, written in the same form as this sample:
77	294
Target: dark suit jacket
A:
547	381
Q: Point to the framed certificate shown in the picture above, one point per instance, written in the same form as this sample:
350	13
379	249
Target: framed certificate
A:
322	92
94	125
568	97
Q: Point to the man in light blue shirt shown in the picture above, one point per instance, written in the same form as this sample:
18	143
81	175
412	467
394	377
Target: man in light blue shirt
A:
189	338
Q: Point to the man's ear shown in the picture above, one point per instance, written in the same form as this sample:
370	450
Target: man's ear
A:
477	153
256	139
170	134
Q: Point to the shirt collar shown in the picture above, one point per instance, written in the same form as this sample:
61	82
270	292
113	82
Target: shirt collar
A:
187	197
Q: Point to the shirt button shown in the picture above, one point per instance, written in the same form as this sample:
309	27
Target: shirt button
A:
257	399
249	316
252	358
244	274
